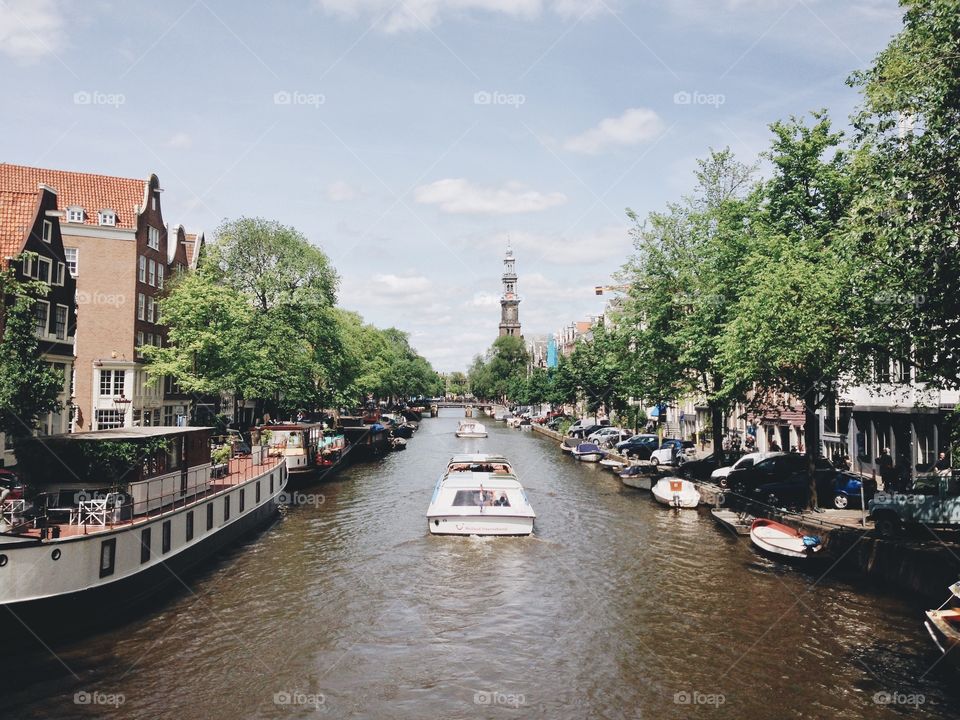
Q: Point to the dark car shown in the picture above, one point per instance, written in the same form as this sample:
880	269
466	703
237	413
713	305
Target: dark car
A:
840	490
782	469
700	468
639	446
554	422
584	431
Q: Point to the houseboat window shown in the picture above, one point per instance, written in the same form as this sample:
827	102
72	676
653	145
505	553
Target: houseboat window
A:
144	545
209	516
190	526
257	494
226	508
108	556
166	537
243	499
271	483
56	554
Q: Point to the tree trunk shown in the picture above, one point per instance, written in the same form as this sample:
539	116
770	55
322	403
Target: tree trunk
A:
811	436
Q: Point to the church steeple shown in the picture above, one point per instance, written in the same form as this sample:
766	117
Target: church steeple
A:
509	301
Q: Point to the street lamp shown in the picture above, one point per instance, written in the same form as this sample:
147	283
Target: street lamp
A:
120	404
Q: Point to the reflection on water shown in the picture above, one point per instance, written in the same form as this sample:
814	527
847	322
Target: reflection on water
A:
615	607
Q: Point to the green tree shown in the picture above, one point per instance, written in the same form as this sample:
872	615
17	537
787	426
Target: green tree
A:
457	384
29	387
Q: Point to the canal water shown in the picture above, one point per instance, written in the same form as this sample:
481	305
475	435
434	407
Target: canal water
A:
615	608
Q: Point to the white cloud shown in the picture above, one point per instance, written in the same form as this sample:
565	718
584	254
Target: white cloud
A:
611	242
394	17
460	196
180	141
342	191
636	125
390	284
30	29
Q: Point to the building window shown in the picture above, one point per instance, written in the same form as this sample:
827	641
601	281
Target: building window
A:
47	231
107	217
44	269
152	275
190	526
60	322
28	266
168	416
112	382
160	275
153	237
165	538
71	256
41	318
142	269
108	557
107	419
141	302
144	545
139	340
61	272
75	214
150	315
226	508
209	516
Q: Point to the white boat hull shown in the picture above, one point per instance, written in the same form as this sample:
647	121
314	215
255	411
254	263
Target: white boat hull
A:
640	482
480	525
773	541
471	435
588	457
676	493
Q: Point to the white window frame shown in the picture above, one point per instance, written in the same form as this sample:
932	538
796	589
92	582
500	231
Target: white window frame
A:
75	214
153	237
160	276
142	269
61	274
152	273
47	231
139	341
66	321
150	309
48	263
107	218
46	328
28	266
72	264
141	306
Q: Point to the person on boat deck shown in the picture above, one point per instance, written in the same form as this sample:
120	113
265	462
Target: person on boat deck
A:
501	470
502	500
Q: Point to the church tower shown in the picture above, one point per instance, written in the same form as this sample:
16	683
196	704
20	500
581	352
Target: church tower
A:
509	301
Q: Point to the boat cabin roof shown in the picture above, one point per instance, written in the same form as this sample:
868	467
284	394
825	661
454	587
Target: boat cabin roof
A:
291	426
489	481
127	433
478	458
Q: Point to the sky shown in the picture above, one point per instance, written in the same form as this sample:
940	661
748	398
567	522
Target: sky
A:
410	139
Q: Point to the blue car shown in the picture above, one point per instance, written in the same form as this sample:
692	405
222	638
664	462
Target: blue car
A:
840	490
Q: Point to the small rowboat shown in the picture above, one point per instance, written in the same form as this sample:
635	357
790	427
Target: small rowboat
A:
614	465
676	492
588	452
779	539
943	624
635	477
739	523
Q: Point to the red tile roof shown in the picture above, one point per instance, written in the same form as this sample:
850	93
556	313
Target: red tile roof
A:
18	210
91	192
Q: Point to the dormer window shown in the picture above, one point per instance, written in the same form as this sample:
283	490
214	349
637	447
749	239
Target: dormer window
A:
47	231
75	214
107	217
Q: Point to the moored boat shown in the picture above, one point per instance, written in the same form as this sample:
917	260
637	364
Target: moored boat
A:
471	429
676	492
636	476
588	452
943	624
139	506
779	539
298	445
737	522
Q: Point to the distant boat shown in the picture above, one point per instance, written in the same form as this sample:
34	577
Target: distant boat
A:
588	452
779	539
676	492
471	429
737	522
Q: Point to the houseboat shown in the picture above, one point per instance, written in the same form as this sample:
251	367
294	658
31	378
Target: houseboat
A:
298	444
119	513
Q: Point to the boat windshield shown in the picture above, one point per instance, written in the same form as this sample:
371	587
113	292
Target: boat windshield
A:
286	439
487	498
497	468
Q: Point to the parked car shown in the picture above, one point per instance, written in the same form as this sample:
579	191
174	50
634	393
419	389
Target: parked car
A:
841	490
934	501
639	446
606	435
720	475
699	469
674	452
584	431
554	422
782	469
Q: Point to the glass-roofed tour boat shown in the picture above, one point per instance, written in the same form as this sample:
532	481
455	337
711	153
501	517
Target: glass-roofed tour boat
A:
479	494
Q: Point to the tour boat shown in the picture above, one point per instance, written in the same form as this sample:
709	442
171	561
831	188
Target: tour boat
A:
636	476
297	444
479	503
943	624
480	462
676	492
779	539
121	513
588	452
471	429
737	522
